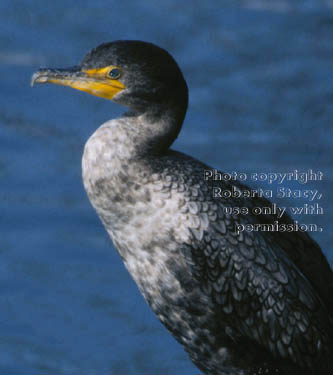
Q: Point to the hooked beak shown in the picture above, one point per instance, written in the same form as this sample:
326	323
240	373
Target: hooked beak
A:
94	81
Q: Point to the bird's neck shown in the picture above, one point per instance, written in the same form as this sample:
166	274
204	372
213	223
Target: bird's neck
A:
129	140
153	131
117	157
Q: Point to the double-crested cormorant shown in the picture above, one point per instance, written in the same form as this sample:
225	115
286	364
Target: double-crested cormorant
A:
240	303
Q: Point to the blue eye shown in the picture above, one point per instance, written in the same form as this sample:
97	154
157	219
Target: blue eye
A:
114	73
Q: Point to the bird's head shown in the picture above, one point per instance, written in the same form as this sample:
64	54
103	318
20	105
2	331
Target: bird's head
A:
136	74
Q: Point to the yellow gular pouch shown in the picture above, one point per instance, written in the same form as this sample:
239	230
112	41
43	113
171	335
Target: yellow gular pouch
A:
97	82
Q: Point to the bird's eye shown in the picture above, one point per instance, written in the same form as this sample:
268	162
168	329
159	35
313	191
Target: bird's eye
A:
114	73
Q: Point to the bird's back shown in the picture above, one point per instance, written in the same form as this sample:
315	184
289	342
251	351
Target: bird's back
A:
271	290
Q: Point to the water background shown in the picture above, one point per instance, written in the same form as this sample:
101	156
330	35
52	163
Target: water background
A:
261	92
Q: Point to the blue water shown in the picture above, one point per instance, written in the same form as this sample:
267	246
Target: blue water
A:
261	92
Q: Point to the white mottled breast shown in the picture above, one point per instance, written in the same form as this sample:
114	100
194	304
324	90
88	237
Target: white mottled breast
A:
151	218
139	209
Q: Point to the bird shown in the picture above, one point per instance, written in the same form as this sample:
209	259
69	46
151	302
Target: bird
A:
239	302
